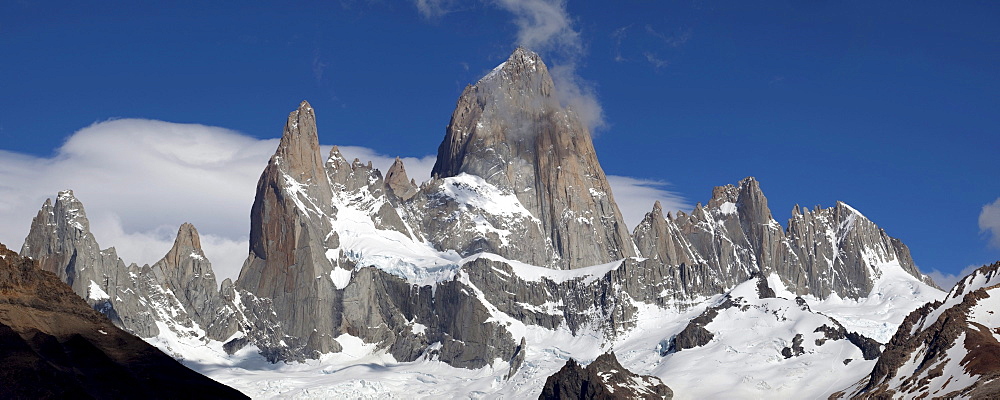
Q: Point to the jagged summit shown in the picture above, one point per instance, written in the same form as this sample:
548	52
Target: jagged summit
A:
397	181
187	237
298	150
510	129
524	70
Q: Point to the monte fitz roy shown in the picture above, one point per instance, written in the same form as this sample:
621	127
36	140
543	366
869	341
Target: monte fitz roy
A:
511	268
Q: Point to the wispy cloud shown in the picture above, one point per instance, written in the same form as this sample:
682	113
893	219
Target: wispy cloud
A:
635	197
655	60
676	39
989	222
649	45
619	36
318	66
946	280
546	27
435	8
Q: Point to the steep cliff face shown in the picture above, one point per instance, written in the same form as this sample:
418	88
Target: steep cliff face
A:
178	293
822	252
61	242
945	349
290	231
510	129
55	345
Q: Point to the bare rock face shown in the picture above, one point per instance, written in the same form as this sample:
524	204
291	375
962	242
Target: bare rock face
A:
187	275
734	237
510	129
398	183
290	231
945	349
56	346
840	251
61	242
605	378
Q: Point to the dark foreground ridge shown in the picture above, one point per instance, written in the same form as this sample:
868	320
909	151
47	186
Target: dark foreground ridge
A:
54	345
604	378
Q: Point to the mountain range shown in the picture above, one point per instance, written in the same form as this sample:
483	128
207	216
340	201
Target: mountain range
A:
512	262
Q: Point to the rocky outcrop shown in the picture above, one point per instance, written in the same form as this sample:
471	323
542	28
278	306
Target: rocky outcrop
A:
398	183
734	237
510	129
945	349
178	292
61	242
605	378
55	345
290	230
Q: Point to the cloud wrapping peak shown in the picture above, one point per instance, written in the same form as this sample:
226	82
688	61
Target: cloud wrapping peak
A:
989	222
545	26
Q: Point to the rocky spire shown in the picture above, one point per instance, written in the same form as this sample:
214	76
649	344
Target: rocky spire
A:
188	274
510	129
659	239
397	181
61	241
290	230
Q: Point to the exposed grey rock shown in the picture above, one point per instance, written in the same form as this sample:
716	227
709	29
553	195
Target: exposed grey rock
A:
449	223
605	378
385	309
61	242
734	237
363	187
290	231
510	129
398	183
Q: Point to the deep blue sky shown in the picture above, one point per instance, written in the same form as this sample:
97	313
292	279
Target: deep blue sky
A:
893	108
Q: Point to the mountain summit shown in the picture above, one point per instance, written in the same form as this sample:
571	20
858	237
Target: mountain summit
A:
510	129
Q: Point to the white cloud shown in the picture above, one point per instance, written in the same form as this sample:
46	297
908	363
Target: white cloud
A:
435	8
139	180
946	280
546	27
635	198
989	221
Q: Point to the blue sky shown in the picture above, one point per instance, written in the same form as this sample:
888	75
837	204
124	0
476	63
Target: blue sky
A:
890	107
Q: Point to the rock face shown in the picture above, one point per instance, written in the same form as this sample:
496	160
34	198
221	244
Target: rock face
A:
510	129
55	345
605	378
178	292
315	291
824	251
290	230
945	349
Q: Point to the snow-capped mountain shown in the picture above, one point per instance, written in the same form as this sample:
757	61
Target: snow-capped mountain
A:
511	259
